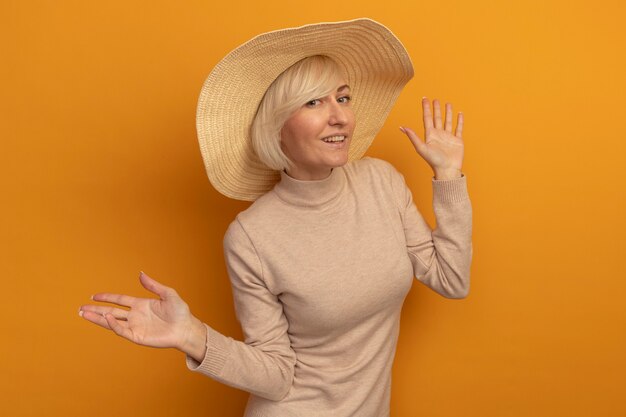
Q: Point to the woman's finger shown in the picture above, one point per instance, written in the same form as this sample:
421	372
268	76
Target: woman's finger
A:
119	299
155	287
438	122
415	140
449	117
428	115
459	126
118	313
108	321
120	328
94	318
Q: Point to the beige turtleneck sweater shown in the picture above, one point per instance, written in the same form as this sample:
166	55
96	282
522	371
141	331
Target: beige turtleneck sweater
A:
319	272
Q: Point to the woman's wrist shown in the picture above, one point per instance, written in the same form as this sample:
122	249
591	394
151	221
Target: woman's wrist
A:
448	174
194	340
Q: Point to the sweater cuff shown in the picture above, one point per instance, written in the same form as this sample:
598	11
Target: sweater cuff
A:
450	191
215	356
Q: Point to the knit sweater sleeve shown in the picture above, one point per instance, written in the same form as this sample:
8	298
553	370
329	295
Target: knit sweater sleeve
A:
441	257
264	364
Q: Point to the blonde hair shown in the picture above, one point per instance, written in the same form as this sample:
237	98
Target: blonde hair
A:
313	77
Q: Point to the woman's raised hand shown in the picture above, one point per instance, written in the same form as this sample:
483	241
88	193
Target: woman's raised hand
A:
164	323
442	149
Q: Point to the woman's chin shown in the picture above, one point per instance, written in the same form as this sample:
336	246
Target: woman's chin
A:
341	160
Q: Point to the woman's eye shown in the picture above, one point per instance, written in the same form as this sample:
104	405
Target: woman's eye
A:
312	103
345	99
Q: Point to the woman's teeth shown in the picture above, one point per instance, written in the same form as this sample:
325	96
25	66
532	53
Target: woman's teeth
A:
334	139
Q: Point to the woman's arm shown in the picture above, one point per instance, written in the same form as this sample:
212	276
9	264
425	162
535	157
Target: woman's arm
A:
441	257
263	365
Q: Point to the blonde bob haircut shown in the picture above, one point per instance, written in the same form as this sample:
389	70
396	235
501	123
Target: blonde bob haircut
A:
308	79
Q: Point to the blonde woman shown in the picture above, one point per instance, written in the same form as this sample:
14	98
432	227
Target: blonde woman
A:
321	262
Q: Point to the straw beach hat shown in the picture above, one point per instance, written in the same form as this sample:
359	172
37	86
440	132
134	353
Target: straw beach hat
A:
373	59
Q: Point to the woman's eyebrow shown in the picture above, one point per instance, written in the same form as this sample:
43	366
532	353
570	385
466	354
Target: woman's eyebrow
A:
343	87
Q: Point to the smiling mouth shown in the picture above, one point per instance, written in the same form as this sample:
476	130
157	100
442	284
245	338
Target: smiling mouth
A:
334	139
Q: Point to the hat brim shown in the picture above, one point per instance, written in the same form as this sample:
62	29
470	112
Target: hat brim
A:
374	60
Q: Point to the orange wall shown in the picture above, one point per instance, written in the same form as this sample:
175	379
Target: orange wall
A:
102	177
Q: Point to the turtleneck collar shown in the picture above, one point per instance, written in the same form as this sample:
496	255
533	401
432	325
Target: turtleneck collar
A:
310	193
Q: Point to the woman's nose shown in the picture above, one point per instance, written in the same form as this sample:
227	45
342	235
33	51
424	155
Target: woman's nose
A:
338	114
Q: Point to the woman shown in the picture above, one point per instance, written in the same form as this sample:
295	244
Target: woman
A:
320	264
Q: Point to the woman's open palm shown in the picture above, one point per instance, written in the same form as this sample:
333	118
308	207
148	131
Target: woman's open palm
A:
442	149
162	322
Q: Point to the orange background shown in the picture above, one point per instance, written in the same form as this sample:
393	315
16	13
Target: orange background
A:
102	177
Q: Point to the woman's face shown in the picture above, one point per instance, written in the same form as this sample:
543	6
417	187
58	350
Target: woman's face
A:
317	136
